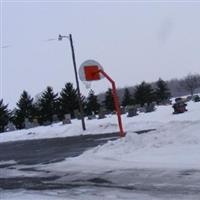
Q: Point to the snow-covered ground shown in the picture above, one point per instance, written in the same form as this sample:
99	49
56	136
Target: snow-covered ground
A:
175	142
162	116
86	194
173	145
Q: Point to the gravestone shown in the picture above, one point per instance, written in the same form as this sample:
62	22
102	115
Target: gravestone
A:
47	123
137	106
10	127
91	117
166	102
196	98
132	111
142	109
29	124
123	110
189	98
55	118
102	113
150	107
67	119
179	106
35	123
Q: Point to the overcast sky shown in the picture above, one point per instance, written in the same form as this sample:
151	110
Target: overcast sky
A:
134	41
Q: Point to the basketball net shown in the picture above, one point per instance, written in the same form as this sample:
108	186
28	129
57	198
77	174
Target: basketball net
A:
87	84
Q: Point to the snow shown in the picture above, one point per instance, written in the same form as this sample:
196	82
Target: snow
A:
13	173
9	162
135	152
174	144
30	195
163	114
60	130
86	193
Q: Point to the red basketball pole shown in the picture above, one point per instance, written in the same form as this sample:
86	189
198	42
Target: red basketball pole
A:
116	102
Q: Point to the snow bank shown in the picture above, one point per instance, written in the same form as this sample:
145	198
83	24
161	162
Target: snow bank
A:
175	144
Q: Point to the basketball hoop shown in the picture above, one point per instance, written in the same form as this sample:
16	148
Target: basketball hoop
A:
91	70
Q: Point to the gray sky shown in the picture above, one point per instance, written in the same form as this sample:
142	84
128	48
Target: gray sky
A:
134	41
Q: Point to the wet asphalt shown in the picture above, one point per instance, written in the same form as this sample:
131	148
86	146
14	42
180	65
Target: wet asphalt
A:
42	151
157	183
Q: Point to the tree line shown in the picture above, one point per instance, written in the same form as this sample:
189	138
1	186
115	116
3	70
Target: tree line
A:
50	104
46	106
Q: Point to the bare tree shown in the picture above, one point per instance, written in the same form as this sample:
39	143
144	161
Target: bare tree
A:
190	83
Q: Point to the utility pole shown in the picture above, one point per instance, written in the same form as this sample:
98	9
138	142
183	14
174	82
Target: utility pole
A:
77	83
76	77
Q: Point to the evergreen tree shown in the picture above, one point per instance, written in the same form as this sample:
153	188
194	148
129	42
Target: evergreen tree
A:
144	93
109	101
4	116
48	105
69	100
24	110
162	91
92	104
127	100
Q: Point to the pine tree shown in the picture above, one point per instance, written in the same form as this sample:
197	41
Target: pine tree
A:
109	101
4	116
48	105
127	100
92	104
69	100
162	91
144	93
24	110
